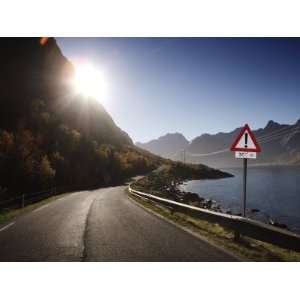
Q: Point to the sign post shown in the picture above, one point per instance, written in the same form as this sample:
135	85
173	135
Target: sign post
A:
245	146
244	186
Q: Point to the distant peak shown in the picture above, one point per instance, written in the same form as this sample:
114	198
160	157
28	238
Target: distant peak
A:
271	124
175	135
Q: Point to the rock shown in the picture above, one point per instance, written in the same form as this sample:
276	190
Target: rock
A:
277	224
188	197
209	202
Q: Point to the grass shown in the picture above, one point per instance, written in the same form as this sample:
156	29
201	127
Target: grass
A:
247	249
9	214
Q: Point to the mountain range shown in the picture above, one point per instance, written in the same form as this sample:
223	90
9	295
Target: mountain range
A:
166	146
280	144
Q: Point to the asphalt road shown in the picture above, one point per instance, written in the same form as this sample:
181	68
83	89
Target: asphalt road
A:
100	225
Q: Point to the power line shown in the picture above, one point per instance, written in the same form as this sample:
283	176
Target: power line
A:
273	132
262	140
207	154
277	133
277	137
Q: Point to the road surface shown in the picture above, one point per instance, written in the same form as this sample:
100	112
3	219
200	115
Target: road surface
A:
100	225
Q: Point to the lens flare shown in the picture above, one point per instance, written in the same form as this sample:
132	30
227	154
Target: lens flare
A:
44	40
89	81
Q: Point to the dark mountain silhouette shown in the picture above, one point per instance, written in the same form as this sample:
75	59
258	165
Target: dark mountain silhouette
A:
51	136
280	144
167	146
30	72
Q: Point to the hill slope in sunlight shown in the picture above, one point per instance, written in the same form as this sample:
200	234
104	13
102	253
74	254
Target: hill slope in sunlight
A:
49	136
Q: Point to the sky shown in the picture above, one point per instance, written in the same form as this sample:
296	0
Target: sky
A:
193	85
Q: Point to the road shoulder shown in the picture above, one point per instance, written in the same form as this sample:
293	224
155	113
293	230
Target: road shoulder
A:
10	215
161	213
247	249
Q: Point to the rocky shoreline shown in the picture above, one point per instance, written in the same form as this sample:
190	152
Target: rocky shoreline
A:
165	182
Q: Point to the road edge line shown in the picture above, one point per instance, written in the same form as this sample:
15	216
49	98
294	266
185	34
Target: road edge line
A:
7	226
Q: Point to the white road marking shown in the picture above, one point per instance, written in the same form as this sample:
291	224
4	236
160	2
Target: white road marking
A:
8	225
41	207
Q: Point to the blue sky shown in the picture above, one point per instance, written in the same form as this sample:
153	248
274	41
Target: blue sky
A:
194	85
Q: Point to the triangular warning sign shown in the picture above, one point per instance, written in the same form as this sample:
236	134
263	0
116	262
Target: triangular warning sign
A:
245	141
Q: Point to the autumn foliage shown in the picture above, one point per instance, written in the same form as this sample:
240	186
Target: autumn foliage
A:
49	153
50	136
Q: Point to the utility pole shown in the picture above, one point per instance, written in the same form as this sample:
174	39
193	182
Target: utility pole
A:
183	156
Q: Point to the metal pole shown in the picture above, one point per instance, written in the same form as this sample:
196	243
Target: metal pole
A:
244	187
23	201
236	233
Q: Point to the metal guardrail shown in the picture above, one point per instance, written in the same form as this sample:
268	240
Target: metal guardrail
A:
244	226
26	199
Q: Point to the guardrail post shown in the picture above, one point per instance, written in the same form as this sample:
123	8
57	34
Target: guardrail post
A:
237	236
23	201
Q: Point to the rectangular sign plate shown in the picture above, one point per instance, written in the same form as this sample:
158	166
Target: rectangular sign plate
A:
244	154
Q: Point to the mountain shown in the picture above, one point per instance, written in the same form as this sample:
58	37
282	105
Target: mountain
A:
51	136
166	146
280	144
31	72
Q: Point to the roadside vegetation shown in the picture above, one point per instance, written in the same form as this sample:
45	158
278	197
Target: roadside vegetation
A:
10	213
247	249
48	153
51	136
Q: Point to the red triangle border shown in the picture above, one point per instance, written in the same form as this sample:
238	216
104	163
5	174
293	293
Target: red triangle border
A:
234	148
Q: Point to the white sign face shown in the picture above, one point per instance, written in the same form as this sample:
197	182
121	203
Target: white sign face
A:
246	141
243	154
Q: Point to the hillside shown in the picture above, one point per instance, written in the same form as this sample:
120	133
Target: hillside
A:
164	181
51	136
166	146
280	144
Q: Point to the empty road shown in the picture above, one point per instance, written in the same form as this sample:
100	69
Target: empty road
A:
100	225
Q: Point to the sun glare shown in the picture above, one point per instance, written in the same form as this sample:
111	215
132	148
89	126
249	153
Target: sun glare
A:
89	82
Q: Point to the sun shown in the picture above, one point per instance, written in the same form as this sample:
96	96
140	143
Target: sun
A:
89	82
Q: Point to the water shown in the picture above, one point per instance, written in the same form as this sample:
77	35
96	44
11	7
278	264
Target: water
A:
275	191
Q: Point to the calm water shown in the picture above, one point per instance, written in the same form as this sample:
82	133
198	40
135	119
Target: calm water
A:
275	191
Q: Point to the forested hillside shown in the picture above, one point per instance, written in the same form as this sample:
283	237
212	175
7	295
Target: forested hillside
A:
49	136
